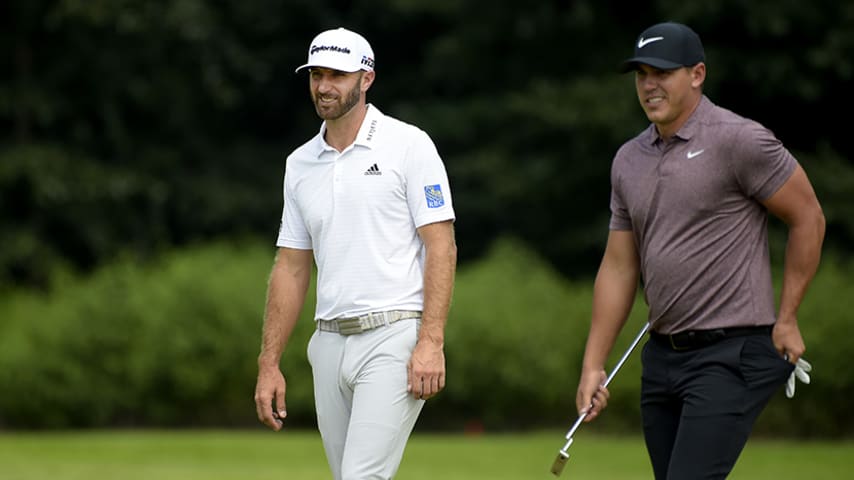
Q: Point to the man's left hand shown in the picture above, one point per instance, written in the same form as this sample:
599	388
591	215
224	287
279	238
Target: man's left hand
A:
426	370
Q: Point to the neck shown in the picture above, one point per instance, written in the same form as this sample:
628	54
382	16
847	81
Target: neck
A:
341	132
666	131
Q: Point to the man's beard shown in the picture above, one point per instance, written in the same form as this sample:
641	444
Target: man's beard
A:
334	112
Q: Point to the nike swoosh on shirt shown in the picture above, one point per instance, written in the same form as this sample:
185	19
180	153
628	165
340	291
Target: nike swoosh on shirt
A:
644	41
691	154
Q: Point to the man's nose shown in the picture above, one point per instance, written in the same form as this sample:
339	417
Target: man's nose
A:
649	82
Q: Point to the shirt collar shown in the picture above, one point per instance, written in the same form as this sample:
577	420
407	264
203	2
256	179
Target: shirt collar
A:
367	132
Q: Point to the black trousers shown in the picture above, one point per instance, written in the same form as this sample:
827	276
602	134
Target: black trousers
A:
699	406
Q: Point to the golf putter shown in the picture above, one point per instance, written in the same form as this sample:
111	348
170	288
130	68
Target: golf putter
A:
563	455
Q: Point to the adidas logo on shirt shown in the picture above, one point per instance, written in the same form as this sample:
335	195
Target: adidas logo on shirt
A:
374	170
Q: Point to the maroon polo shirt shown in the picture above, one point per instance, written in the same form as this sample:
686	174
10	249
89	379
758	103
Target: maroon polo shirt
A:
693	206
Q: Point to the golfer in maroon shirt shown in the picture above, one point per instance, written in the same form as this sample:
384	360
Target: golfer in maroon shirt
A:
689	211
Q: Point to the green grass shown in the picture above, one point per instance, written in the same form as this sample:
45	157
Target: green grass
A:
298	455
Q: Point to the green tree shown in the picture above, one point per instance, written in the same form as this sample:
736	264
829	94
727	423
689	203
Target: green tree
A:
191	106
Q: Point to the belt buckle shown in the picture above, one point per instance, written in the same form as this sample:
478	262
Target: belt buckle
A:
349	326
679	348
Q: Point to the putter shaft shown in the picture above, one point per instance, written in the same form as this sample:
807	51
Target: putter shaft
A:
563	455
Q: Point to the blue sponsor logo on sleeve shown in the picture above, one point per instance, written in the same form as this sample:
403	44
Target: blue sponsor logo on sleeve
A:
433	193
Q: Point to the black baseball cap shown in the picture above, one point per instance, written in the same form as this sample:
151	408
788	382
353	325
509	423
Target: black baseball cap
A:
666	46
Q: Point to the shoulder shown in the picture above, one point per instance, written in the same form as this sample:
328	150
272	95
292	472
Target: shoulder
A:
301	161
729	121
307	151
390	133
637	145
398	130
732	132
745	135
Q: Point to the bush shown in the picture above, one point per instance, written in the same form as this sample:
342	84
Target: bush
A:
514	343
821	408
174	343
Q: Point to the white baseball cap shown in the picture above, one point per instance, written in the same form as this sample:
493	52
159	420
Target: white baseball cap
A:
340	49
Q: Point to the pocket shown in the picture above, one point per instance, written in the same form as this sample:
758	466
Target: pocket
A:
308	347
406	337
761	363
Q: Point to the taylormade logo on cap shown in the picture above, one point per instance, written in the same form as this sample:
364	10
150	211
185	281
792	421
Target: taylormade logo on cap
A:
340	49
314	49
666	46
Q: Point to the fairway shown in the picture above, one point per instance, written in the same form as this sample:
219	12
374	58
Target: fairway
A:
298	455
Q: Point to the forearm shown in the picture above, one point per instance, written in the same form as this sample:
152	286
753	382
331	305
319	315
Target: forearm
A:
803	253
439	271
285	297
613	297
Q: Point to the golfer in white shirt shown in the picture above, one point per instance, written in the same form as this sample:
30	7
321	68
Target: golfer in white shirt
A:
368	201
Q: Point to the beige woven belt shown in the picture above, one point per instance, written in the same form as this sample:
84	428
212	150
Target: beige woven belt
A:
353	325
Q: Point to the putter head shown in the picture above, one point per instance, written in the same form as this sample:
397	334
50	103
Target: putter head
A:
560	463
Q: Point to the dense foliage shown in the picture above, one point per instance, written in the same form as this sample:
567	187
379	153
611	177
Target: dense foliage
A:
174	342
130	126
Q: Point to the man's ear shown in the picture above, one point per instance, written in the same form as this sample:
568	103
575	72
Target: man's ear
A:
698	75
368	80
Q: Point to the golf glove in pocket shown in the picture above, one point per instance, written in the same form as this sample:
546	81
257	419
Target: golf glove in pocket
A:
801	371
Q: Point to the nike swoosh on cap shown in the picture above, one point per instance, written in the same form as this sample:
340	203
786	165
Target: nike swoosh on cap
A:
645	41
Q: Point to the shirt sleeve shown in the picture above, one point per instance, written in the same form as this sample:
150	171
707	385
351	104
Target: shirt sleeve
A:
428	191
620	218
292	231
761	162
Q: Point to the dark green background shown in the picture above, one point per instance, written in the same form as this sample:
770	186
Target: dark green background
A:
133	126
142	148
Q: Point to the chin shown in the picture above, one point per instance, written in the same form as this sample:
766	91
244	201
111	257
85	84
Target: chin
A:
652	117
655	116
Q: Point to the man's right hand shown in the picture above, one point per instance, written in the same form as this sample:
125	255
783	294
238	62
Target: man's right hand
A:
270	397
592	396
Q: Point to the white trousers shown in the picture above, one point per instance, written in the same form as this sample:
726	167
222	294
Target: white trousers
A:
364	412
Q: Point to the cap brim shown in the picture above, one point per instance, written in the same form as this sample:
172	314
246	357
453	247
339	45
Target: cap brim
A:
321	65
632	64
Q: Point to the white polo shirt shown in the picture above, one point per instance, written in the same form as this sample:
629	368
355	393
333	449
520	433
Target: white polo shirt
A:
358	210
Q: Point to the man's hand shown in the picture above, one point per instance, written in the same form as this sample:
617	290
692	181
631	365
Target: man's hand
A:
592	396
787	339
426	369
270	388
